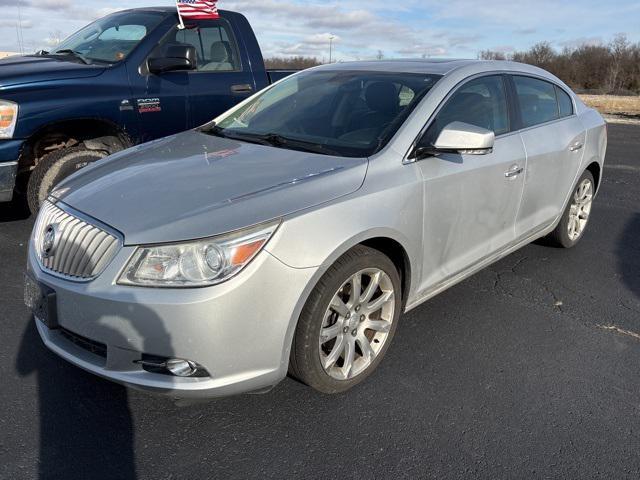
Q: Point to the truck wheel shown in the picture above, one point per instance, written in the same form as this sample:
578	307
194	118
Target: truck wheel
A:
348	322
576	216
55	167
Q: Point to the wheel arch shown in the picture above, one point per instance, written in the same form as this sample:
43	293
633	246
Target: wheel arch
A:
596	170
94	133
388	241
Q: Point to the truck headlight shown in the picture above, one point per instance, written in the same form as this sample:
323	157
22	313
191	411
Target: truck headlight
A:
8	118
197	263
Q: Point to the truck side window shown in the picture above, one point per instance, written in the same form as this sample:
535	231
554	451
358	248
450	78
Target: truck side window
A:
215	46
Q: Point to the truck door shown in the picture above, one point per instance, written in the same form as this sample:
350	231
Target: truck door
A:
160	102
222	79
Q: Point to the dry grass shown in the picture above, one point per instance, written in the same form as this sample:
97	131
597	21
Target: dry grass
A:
613	104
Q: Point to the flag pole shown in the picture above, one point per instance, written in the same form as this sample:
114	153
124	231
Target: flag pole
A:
181	25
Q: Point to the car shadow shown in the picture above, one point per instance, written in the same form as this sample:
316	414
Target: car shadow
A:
628	262
86	426
15	210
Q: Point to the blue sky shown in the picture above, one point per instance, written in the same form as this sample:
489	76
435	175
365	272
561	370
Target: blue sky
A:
408	28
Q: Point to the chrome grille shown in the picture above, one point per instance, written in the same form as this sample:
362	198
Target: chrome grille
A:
74	248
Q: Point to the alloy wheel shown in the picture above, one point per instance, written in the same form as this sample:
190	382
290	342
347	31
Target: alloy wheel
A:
580	209
357	323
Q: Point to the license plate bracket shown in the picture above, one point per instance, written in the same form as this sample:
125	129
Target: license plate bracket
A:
41	300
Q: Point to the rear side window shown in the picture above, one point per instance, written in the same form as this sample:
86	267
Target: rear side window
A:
564	103
537	100
481	102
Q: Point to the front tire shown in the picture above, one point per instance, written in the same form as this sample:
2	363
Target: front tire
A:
348	322
55	167
576	216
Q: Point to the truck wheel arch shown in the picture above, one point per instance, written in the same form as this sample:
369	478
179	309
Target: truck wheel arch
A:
93	133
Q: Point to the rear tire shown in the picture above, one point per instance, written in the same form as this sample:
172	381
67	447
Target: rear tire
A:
55	167
342	335
575	218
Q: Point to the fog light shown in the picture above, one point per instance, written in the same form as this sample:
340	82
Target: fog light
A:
181	368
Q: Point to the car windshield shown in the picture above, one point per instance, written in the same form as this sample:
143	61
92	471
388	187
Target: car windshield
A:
109	39
335	112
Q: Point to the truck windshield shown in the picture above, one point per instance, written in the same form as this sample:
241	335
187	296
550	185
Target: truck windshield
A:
346	113
109	39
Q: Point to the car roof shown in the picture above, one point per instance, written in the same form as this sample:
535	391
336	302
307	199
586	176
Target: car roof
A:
440	67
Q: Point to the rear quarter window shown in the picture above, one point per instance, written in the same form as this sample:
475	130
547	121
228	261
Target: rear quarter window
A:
537	100
564	103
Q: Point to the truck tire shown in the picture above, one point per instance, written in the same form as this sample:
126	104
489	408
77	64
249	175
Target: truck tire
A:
53	168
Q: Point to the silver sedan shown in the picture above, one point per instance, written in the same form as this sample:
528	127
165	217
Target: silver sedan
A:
290	234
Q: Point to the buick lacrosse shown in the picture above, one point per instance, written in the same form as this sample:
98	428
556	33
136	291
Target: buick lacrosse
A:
290	234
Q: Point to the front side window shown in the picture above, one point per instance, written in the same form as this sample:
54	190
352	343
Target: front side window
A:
347	113
215	46
537	99
109	39
481	102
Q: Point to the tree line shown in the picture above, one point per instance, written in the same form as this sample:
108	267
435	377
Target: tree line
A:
613	68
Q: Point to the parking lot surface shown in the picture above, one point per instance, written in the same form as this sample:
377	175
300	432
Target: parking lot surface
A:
529	369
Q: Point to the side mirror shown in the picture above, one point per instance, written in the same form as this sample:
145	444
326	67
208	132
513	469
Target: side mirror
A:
177	57
460	137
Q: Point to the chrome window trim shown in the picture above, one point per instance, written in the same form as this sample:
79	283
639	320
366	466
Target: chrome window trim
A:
406	160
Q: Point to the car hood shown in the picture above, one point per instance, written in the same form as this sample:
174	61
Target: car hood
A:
18	70
194	185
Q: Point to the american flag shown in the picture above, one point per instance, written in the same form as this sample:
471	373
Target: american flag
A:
198	9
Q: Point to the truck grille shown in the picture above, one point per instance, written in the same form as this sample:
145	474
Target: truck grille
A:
70	247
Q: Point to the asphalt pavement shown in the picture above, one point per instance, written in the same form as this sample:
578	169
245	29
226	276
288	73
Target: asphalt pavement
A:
529	369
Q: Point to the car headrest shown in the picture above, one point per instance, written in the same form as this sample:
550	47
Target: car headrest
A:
382	97
220	52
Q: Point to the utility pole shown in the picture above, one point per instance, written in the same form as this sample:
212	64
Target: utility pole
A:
20	37
331	37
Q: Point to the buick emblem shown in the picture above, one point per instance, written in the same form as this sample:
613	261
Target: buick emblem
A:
49	240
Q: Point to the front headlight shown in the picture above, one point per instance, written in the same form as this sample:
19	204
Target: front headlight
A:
8	118
198	263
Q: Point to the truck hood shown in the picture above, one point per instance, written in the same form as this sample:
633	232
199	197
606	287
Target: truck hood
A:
194	185
30	69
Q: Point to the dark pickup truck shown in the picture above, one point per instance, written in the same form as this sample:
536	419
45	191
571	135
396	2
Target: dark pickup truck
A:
130	77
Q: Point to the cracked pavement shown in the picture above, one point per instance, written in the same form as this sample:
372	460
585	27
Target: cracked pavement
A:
529	369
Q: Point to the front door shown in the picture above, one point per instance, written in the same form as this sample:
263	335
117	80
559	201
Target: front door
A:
471	201
220	81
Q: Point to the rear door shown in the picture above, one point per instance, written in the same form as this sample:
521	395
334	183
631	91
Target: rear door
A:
470	202
553	138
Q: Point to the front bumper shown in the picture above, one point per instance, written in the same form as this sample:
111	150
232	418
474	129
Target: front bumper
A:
240	331
9	153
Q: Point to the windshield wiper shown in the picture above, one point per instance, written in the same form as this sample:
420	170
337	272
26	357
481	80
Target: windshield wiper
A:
271	139
72	53
278	140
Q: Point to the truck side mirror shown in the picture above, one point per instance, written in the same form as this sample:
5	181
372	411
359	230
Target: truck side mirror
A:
177	57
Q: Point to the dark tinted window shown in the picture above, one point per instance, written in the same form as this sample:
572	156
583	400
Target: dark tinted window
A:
481	102
537	100
564	102
350	113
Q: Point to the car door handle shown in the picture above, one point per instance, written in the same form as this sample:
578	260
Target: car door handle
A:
513	171
242	88
575	147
